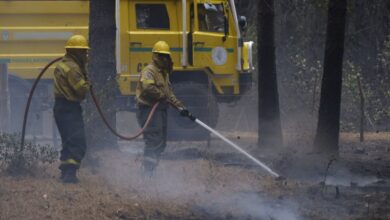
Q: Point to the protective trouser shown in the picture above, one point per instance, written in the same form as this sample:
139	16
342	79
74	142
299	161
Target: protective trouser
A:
155	134
69	120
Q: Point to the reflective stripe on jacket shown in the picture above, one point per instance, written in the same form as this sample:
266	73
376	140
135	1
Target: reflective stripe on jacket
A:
69	80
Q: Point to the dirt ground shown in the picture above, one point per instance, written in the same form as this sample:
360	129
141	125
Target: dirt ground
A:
199	181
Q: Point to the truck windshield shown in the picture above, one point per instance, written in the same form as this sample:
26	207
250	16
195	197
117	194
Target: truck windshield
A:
211	17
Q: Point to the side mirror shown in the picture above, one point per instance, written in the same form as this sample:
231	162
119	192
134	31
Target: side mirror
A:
242	23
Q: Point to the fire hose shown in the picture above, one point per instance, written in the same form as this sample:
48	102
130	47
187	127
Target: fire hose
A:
190	116
94	100
151	113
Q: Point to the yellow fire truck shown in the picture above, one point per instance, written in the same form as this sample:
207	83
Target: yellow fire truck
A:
212	63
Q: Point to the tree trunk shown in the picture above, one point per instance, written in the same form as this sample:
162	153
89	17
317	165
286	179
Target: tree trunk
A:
328	126
102	72
269	132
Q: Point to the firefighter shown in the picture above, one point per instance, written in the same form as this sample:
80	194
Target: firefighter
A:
70	88
154	86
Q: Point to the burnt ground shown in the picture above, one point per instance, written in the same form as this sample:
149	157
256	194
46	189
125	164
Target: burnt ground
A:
196	181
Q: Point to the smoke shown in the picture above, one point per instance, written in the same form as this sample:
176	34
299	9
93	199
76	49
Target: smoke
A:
213	191
204	188
252	206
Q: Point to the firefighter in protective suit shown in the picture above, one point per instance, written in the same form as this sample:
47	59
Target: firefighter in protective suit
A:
70	88
154	86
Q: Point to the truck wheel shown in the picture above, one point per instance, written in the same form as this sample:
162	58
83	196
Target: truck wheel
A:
201	103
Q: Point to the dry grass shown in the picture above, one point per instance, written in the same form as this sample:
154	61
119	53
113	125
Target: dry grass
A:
197	188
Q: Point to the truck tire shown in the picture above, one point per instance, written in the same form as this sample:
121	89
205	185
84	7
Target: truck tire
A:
201	103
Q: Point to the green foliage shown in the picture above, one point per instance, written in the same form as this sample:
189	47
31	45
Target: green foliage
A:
376	90
16	162
306	80
300	30
350	99
300	35
379	89
384	56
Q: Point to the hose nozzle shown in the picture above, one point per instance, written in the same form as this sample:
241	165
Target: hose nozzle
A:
185	113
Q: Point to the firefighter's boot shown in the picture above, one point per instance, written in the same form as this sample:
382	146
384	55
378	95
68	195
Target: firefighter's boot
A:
68	174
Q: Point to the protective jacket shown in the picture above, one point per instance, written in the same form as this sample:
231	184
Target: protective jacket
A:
154	86
70	80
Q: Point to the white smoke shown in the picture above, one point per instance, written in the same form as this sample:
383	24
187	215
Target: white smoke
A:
202	188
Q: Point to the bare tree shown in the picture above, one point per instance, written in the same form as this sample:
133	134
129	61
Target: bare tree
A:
328	126
270	132
102	70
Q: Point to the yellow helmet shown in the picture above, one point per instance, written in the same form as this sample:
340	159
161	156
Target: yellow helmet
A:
77	42
161	47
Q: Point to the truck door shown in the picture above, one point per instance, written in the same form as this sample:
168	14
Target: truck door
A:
151	21
214	42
